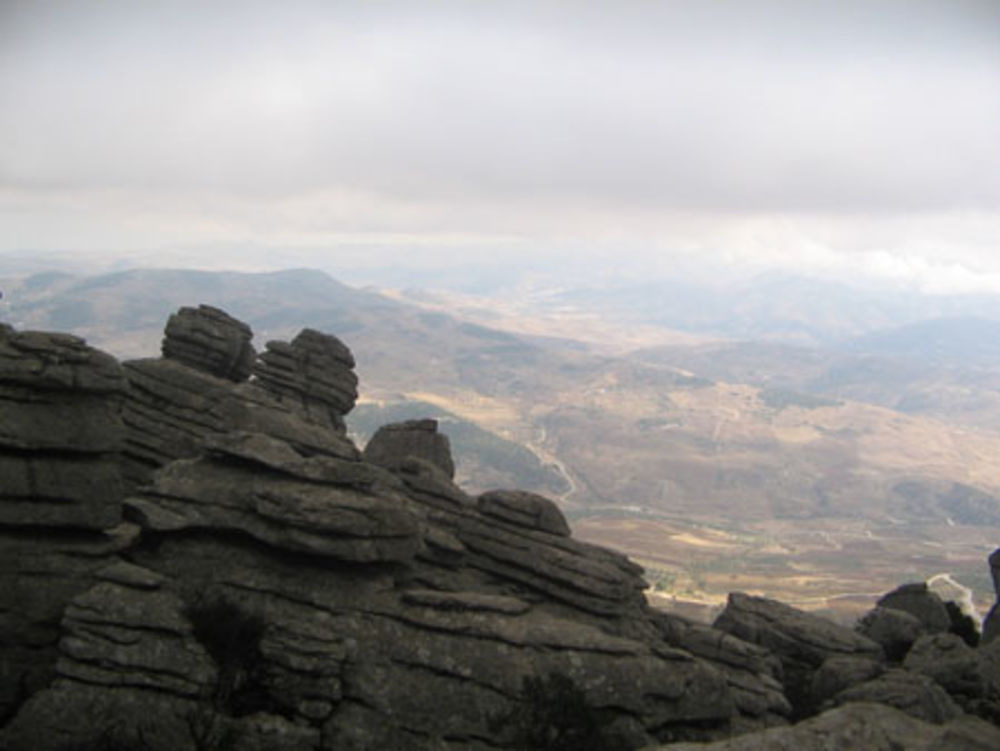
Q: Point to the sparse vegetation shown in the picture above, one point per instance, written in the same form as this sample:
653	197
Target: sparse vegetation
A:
232	637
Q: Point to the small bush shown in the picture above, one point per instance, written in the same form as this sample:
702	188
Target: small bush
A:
232	637
962	625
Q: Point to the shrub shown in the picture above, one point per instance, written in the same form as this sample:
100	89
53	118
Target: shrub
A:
232	637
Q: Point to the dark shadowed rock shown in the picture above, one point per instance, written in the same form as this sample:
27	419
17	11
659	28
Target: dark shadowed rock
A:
210	340
895	630
315	371
924	605
802	641
524	509
853	727
991	623
915	694
394	444
841	672
951	663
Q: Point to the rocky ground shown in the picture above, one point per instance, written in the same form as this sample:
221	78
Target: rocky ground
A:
193	555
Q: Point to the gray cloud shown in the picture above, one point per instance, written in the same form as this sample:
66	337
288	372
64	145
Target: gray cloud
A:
556	118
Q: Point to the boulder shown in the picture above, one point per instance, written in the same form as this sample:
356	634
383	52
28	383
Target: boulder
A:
923	604
951	663
840	673
915	694
802	641
315	371
210	340
393	445
872	727
895	630
524	509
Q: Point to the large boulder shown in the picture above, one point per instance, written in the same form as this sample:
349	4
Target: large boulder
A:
852	727
920	602
801	640
895	630
210	340
395	444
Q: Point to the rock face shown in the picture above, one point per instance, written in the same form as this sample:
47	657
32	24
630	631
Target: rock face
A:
924	605
392	445
178	402
60	487
991	624
872	727
802	641
210	340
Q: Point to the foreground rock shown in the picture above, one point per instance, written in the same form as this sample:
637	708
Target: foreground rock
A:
801	641
60	488
872	727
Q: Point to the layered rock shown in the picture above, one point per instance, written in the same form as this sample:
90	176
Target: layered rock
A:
210	340
60	488
393	445
802	641
873	727
920	602
177	402
315	372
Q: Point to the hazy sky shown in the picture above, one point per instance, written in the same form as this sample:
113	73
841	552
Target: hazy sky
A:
843	138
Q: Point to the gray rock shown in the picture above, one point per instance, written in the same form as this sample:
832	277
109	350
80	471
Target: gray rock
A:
839	673
852	727
951	663
924	605
802	641
896	630
210	340
393	445
315	371
524	509
915	694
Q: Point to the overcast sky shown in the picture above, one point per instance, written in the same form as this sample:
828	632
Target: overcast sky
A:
840	138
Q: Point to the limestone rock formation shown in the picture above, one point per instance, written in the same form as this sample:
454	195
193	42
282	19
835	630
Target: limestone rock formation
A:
60	488
802	641
872	727
177	402
315	372
210	340
924	605
392	445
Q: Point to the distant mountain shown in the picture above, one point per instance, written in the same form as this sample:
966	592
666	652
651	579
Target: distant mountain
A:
775	307
959	341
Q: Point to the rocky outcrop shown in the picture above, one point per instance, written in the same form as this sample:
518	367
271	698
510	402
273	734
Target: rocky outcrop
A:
991	624
393	445
210	340
178	402
873	727
315	372
802	641
923	604
60	488
895	630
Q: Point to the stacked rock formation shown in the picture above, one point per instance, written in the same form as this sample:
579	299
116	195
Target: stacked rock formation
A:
60	488
262	584
199	389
